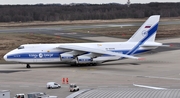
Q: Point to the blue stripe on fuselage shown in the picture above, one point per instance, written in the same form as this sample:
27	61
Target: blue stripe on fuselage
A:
149	34
34	55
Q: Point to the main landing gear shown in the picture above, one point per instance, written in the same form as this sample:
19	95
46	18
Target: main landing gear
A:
28	66
88	64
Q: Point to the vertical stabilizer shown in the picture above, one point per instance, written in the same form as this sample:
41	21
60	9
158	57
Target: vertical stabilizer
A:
147	32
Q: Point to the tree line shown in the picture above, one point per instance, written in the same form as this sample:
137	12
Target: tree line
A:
58	12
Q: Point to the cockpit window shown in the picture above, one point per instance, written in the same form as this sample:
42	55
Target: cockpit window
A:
21	47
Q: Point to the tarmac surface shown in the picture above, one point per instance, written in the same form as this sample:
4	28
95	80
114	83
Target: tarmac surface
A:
160	69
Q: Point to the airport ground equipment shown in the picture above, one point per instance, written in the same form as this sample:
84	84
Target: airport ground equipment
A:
34	95
4	94
51	85
20	95
73	87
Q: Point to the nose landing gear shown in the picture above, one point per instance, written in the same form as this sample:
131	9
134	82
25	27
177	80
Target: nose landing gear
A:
28	66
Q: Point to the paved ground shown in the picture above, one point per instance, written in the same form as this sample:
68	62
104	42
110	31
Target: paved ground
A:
160	69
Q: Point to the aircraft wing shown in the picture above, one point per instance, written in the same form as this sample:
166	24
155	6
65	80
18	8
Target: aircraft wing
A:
96	51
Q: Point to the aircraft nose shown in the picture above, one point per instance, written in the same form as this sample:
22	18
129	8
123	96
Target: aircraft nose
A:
5	57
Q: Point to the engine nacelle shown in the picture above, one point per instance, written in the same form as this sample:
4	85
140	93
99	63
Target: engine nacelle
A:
66	57
84	59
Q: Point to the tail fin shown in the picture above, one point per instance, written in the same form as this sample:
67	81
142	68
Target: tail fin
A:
147	32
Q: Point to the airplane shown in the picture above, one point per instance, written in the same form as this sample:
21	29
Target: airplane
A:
143	40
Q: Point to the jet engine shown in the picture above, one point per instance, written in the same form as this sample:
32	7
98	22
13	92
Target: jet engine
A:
66	57
84	59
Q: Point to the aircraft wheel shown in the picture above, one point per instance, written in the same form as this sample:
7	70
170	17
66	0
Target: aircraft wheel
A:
91	64
73	64
79	65
94	64
28	66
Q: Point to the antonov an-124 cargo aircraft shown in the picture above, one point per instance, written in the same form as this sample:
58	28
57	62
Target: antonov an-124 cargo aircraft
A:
142	41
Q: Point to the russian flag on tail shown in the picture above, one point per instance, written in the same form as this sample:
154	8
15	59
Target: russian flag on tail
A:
147	26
